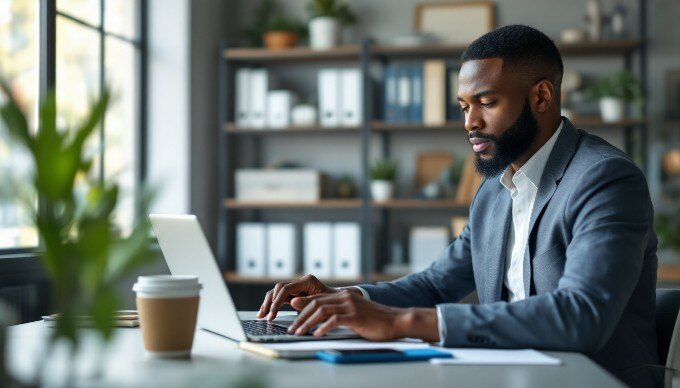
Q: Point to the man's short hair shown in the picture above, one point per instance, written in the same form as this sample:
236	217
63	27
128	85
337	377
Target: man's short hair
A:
523	49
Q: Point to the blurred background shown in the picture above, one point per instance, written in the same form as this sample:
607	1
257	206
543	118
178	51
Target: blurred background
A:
316	135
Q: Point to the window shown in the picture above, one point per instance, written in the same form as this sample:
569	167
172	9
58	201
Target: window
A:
98	43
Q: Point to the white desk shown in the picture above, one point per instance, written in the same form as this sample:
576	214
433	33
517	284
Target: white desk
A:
217	361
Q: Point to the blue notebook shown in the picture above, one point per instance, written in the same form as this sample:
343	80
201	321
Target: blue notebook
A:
379	355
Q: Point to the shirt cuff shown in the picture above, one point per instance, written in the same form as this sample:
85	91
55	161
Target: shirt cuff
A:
363	292
440	325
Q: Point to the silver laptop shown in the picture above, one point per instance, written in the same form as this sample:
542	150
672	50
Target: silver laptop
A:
187	252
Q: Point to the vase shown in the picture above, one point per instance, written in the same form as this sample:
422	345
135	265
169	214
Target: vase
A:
611	109
324	33
382	190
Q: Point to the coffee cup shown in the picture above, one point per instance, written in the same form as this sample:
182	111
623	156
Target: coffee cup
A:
168	308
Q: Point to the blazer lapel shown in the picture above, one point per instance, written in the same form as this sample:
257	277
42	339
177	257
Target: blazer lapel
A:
498	242
559	158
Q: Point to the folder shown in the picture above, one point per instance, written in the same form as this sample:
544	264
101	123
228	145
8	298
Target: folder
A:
403	95
352	98
329	97
425	245
279	105
259	84
416	111
280	250
242	97
390	94
346	250
250	249
317	249
434	92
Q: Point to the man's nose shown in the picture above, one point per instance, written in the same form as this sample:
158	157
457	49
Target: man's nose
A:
473	119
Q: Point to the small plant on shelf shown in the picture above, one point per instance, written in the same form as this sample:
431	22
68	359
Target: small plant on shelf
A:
327	18
383	173
271	28
614	92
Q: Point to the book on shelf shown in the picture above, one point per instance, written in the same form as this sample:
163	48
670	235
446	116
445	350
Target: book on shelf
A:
469	182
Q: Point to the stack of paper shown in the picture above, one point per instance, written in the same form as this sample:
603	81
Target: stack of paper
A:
308	349
496	357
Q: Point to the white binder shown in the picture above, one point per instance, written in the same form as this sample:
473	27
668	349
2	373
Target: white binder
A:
280	250
317	249
426	244
346	250
329	97
279	105
250	249
259	84
351	101
242	97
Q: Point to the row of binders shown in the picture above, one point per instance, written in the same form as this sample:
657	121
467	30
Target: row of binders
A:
260	104
420	93
269	249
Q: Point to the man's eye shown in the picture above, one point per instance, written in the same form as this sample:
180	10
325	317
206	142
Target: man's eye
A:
463	108
488	104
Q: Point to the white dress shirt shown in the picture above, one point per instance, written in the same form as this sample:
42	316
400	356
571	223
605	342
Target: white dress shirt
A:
523	186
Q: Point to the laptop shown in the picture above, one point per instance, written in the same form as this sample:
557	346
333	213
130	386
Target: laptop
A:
187	252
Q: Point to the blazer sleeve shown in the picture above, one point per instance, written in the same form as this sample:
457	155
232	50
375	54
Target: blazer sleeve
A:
448	279
611	217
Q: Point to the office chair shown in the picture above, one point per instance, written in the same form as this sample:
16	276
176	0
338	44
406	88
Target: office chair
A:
668	331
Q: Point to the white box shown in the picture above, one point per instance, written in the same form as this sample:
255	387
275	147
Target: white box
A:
279	105
317	249
250	249
243	97
426	244
346	250
351	101
259	84
329	97
280	250
280	185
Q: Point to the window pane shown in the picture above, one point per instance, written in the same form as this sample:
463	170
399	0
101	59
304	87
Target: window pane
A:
121	17
85	10
19	67
121	126
77	77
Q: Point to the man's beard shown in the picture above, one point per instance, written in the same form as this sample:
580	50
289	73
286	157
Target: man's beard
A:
510	146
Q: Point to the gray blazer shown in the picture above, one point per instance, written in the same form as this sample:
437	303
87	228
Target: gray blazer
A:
589	267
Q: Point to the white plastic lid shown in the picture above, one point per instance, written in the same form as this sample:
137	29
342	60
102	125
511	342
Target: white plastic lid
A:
167	286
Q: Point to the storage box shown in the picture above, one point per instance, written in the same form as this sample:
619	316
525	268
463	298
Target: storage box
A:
280	185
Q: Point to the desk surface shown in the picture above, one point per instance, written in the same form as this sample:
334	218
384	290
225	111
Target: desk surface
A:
216	361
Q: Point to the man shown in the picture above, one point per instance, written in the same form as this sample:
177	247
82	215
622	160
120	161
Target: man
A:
560	248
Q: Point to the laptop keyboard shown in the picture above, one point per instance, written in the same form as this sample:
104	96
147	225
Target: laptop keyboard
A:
258	328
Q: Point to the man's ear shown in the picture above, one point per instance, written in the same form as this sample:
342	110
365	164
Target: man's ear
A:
543	95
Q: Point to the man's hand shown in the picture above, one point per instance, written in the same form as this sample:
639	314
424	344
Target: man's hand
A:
368	319
284	292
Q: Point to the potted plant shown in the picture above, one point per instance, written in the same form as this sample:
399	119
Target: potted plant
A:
327	17
614	93
81	249
282	32
272	29
383	173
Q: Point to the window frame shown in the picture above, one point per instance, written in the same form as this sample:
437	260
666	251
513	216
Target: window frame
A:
22	265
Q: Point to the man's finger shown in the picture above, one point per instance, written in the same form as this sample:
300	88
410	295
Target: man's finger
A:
316	302
264	309
284	294
332	323
300	302
320	315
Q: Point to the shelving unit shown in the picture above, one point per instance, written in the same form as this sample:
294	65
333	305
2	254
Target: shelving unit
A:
367	211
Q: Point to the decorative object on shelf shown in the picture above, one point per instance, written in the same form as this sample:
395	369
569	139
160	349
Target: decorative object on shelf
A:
614	93
594	19
272	29
303	115
278	185
383	173
82	250
572	35
429	169
469	182
617	21
412	39
345	187
673	94
327	19
455	22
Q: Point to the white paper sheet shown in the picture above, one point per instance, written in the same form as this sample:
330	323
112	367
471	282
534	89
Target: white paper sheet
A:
346	345
496	357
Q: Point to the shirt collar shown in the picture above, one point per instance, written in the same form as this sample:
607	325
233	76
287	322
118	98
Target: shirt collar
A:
533	168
